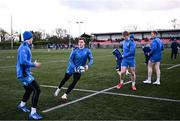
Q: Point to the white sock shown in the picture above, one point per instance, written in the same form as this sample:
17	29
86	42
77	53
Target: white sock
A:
149	79
121	81
33	110
133	83
158	80
22	103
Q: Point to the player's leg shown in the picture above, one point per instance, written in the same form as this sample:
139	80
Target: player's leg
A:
150	66
28	91
147	59
76	77
121	77
133	77
175	55
66	77
158	73
22	104
172	55
132	68
128	71
35	97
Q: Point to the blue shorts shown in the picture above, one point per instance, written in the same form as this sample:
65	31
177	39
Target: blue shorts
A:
155	60
26	80
128	63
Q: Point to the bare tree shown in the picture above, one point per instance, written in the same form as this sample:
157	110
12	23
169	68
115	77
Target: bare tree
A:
3	34
37	35
175	23
59	32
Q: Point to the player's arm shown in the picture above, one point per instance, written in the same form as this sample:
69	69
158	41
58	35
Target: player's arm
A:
153	47
131	51
71	58
90	58
23	59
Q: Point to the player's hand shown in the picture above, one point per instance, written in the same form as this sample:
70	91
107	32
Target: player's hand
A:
37	64
86	67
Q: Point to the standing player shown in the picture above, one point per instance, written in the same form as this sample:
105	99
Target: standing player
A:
77	58
24	75
155	58
128	61
174	46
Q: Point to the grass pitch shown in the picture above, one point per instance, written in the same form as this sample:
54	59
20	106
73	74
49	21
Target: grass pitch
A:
101	75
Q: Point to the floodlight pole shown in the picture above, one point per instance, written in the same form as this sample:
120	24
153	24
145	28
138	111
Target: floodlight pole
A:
79	27
11	33
69	33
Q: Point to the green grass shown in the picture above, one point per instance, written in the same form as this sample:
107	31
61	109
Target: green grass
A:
100	76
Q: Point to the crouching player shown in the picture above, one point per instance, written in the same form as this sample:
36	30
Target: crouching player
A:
24	75
77	58
118	56
128	60
146	51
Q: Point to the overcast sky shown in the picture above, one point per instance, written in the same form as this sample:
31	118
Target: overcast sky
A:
96	15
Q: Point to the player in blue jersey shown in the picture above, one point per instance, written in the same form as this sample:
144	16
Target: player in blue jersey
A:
128	60
24	75
155	58
78	57
118	57
174	46
146	49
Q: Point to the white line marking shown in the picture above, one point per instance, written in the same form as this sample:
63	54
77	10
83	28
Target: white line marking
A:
173	66
144	97
121	94
81	90
162	64
80	99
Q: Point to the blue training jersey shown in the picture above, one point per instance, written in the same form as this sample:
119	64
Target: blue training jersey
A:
24	64
129	48
156	50
79	57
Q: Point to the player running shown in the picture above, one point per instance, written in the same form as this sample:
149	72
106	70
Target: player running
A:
77	59
24	75
128	60
155	58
